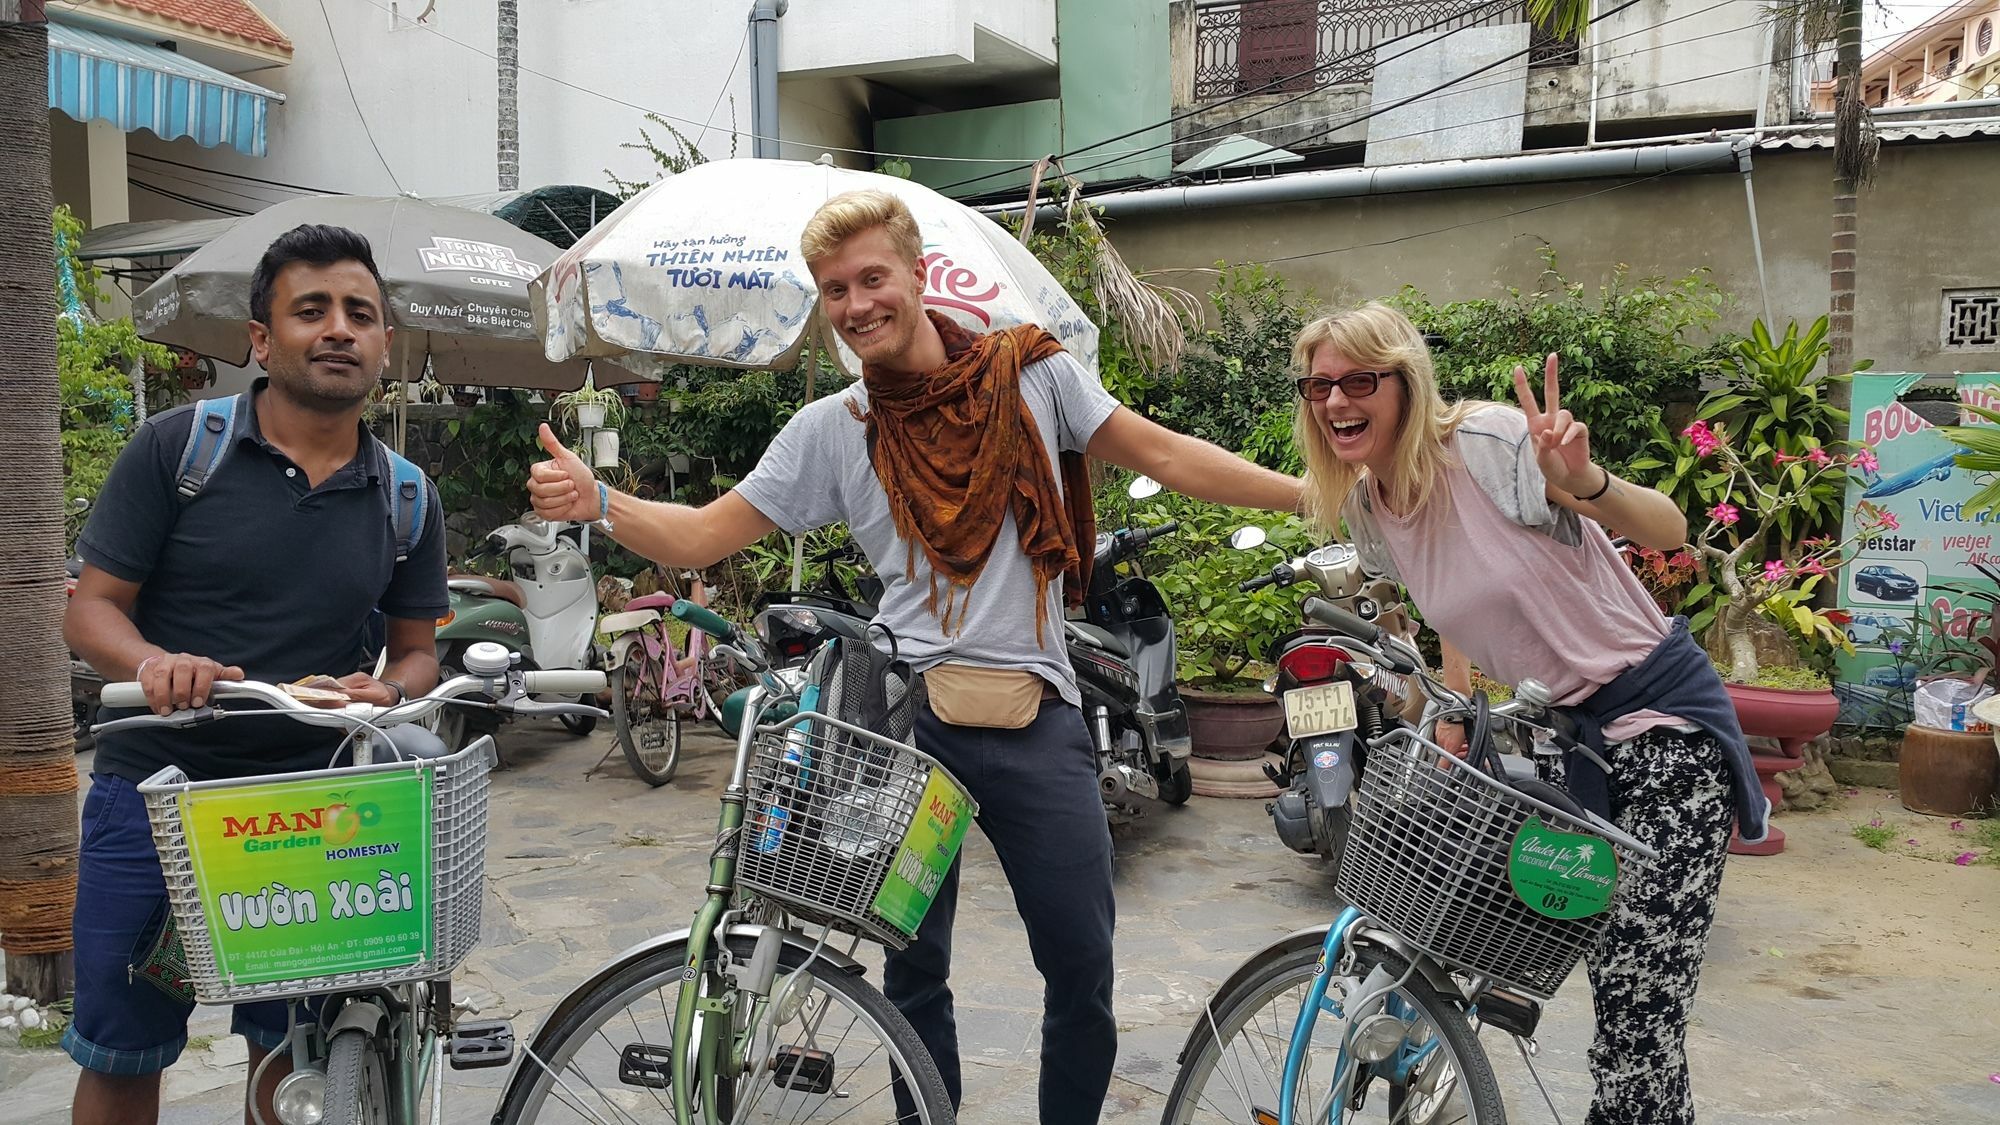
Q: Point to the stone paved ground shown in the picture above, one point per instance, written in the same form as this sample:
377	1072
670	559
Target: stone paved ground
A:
1843	986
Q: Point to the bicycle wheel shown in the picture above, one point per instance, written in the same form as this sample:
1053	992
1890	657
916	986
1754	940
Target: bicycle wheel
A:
648	730
1447	1079
833	1054
357	1084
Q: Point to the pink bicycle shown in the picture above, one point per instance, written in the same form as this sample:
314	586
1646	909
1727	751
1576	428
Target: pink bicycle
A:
653	687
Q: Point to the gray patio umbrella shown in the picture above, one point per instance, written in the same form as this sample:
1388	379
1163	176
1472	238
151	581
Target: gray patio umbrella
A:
456	282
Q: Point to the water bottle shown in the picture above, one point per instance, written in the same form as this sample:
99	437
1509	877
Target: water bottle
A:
793	772
850	825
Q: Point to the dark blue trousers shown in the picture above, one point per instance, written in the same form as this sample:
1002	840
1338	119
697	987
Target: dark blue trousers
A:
1038	805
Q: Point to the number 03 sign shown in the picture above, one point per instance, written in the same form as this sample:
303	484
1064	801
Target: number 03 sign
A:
1562	874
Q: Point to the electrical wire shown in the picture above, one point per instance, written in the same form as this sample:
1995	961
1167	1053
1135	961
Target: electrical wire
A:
349	83
1497	83
741	45
189	200
301	188
1374	111
616	100
1207	107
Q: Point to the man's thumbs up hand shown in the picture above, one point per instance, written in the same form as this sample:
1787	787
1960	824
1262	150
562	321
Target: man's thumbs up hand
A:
563	488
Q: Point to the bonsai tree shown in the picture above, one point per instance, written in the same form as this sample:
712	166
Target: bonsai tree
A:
1765	491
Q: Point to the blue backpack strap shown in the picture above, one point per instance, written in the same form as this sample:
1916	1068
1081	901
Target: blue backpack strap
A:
408	500
209	439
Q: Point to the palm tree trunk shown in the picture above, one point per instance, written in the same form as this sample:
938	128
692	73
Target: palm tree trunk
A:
38	815
1851	161
509	56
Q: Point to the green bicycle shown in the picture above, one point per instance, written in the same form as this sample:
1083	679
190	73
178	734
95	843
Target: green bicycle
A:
351	893
830	823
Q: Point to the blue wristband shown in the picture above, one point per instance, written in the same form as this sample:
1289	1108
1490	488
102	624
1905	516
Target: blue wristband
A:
603	507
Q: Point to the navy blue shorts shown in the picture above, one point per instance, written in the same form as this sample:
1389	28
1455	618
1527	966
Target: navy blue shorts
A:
123	1024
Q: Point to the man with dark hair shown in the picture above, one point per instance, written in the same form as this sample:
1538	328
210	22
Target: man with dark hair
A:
270	570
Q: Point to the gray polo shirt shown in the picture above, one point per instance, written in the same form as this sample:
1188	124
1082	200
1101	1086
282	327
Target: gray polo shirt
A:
259	570
817	472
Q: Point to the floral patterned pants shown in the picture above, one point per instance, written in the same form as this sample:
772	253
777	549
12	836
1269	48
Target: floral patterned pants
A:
1671	790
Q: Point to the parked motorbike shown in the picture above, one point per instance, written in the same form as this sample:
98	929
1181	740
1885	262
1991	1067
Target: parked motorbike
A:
1123	651
1333	703
85	685
546	614
793	623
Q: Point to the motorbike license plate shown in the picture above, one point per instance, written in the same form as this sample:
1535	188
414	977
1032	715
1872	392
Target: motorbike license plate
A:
1323	709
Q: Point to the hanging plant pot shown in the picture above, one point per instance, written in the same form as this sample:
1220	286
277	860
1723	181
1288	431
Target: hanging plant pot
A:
604	449
467	397
590	415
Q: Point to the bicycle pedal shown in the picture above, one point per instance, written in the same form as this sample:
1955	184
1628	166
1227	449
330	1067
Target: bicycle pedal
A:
642	1064
481	1044
803	1069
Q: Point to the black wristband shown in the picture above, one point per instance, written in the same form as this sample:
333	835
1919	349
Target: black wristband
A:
402	693
1601	491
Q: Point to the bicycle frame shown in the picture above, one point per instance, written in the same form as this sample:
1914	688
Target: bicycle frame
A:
721	894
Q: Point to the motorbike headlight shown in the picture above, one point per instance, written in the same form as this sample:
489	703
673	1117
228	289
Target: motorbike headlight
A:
782	618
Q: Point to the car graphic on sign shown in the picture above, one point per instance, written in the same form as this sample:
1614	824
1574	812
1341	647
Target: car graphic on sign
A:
1885	582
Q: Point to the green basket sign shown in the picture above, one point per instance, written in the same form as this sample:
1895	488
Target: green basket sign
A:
944	812
313	878
1562	874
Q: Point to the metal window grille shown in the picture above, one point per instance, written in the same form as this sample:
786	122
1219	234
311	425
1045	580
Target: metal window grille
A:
1985	36
1284	46
1971	320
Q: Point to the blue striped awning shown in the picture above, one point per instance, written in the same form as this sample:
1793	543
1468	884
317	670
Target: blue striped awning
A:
93	76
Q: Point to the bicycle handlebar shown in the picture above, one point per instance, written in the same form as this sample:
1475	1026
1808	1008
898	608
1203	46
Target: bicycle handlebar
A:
564	681
708	621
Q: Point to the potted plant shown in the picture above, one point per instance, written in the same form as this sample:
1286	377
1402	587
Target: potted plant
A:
1224	637
588	408
1747	586
1947	766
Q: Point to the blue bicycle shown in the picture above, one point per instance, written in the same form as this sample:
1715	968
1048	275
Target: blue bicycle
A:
1475	887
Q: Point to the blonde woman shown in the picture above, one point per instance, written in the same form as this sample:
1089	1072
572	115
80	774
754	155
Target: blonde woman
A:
1494	519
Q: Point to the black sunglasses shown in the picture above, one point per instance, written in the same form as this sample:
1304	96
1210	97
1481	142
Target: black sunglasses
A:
1354	384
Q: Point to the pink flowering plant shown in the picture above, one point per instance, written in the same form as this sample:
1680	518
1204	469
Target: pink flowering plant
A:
1744	530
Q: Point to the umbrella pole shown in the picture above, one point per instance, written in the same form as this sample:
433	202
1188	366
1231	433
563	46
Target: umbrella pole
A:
812	376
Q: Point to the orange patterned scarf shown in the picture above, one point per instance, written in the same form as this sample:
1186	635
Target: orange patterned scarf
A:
956	449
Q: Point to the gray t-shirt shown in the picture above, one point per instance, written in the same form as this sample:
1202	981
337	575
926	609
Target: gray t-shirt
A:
817	472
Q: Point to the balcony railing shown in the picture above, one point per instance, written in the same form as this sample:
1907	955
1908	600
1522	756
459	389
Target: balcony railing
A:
1295	45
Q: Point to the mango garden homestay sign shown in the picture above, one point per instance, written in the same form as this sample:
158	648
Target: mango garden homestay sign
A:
313	877
1936	538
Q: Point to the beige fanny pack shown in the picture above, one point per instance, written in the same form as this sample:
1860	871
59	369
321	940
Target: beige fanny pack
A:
966	695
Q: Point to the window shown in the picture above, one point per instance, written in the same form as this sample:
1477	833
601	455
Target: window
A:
1971	320
1950	63
1984	37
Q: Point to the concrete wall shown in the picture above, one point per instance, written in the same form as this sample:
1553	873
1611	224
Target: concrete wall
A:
1116	81
427	95
996	131
1671	58
1472	243
1660	59
1111	84
829	37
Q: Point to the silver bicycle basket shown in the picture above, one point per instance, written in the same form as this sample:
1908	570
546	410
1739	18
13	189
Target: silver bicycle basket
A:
832	808
1427	856
457	865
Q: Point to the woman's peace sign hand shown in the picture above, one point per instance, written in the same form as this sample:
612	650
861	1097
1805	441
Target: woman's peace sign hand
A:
1562	444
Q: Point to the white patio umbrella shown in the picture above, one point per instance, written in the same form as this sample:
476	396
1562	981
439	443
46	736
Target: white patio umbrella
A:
704	267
